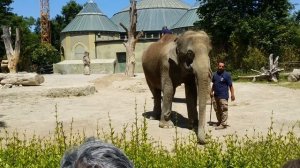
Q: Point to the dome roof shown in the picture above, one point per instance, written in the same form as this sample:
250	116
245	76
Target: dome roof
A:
189	18
90	18
153	14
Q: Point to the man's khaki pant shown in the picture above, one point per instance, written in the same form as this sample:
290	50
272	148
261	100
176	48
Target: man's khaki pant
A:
221	109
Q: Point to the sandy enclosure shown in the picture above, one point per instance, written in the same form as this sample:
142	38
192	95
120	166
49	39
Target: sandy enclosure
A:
26	108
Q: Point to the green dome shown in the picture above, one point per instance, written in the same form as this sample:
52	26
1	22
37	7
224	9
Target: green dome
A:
90	18
189	18
153	14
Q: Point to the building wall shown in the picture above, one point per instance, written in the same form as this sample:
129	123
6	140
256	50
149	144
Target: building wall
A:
75	44
108	46
108	49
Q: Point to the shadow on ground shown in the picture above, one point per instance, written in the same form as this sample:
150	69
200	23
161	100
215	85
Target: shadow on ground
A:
178	120
2	124
179	100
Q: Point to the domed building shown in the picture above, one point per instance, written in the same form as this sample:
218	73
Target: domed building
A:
186	22
103	38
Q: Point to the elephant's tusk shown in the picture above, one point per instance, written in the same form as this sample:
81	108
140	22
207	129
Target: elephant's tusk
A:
188	67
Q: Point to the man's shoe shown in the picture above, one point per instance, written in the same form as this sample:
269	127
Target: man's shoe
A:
220	127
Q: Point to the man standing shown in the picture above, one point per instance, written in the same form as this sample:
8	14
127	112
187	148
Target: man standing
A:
221	84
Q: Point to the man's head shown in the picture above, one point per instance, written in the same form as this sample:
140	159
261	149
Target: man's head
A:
221	67
96	154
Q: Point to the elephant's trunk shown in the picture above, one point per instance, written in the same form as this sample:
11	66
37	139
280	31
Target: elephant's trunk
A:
201	70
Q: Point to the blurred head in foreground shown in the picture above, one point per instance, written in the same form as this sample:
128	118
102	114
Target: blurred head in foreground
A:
95	154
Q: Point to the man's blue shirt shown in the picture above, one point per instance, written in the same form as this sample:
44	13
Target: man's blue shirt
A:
221	83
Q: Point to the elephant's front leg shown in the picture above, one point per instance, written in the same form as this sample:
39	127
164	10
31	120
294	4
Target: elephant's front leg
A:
168	92
157	104
191	102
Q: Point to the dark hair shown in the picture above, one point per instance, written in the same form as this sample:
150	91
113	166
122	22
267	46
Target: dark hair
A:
292	164
95	154
221	61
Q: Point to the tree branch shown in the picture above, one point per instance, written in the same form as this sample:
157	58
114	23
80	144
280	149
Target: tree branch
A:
124	27
17	42
138	36
7	41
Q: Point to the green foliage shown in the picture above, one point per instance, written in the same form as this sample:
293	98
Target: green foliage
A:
5	15
254	59
69	12
45	54
237	27
31	50
270	150
5	11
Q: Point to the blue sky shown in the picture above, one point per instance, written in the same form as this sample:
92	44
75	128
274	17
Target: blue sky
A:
108	7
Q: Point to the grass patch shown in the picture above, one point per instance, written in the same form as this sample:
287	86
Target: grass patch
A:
271	150
291	85
282	81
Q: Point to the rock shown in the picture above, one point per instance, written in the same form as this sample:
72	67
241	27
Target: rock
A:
6	86
294	76
25	79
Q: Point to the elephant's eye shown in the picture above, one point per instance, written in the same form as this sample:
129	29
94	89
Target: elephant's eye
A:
190	57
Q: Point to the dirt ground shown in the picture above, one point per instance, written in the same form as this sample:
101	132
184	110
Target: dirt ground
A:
26	109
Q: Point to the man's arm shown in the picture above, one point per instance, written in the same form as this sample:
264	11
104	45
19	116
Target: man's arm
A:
232	93
212	87
212	91
229	82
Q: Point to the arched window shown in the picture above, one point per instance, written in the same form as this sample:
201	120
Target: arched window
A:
79	52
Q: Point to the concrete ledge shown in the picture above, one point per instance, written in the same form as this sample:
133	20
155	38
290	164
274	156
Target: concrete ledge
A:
98	66
70	91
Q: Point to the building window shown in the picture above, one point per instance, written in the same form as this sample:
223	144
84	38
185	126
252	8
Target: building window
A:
79	52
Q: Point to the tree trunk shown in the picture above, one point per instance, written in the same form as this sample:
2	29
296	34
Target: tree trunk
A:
25	79
130	58
132	40
12	54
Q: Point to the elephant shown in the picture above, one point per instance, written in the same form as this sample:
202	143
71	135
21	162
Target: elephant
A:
174	60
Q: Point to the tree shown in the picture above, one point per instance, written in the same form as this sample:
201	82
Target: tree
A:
45	54
29	40
5	11
239	27
5	15
69	12
133	37
12	54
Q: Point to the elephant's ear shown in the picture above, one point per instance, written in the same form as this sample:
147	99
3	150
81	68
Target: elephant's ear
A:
173	54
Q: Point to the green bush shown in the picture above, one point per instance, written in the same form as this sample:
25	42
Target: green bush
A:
45	54
254	59
271	150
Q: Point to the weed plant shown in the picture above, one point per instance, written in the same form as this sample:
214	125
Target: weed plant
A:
259	151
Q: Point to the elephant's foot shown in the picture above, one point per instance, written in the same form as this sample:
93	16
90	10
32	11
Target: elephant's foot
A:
201	137
201	142
166	124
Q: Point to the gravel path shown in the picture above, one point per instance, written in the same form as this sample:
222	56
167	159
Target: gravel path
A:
26	108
